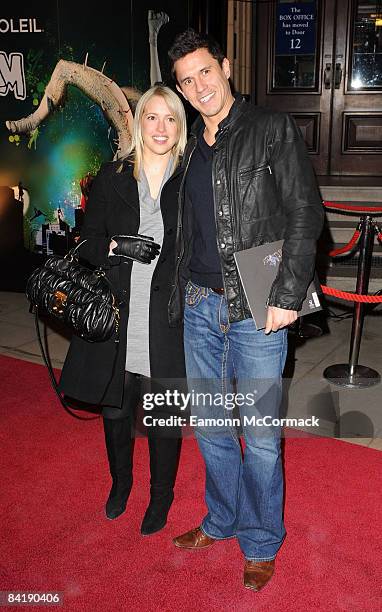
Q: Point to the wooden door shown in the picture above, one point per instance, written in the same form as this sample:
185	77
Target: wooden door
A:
321	61
357	99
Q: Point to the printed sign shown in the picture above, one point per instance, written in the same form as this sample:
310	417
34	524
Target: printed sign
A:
296	27
12	77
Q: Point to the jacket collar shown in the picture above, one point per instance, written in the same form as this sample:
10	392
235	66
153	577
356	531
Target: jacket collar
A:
125	184
128	167
235	111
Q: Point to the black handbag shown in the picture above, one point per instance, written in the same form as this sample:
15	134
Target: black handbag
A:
80	298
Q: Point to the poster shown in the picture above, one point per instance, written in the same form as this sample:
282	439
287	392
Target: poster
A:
40	171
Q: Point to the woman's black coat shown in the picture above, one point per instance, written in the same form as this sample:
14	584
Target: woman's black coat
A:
94	372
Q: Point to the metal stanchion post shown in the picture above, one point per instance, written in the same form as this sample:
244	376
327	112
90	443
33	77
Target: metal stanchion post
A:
351	374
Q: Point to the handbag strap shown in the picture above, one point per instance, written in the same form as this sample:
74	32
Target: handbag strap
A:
100	270
48	363
72	254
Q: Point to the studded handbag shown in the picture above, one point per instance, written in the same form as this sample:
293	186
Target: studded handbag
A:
80	298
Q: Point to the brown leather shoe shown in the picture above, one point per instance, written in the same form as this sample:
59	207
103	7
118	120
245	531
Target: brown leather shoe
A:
257	574
194	539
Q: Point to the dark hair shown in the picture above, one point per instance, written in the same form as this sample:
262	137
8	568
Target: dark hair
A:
190	41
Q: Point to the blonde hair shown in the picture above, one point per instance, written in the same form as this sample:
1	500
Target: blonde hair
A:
176	107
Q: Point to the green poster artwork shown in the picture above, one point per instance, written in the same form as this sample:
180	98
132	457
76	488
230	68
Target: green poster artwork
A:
66	79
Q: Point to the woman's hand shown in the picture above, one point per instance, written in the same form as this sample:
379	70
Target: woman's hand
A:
112	246
139	248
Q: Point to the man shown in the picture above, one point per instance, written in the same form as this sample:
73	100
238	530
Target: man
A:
248	181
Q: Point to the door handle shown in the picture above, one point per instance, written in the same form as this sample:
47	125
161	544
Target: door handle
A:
338	76
328	76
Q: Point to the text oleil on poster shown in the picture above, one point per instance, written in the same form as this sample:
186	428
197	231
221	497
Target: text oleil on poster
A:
12	71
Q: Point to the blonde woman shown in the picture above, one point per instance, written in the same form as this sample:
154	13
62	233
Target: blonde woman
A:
130	226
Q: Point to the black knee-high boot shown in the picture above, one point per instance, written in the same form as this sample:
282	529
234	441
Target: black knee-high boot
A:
119	445
164	455
119	452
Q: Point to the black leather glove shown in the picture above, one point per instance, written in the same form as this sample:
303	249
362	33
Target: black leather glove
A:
139	248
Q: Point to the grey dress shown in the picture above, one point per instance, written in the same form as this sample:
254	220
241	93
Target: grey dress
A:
151	224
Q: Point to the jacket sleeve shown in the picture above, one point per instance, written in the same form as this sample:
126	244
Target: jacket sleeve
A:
302	206
94	228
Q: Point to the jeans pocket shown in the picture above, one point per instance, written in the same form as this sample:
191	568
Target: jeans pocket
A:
194	294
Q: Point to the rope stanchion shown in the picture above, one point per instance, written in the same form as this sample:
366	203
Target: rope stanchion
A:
352	375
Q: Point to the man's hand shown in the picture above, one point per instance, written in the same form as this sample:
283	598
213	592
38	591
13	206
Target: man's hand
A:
278	318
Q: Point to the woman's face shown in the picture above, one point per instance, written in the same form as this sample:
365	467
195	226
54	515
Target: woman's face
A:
159	129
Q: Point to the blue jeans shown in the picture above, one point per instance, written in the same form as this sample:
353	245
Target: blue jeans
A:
244	492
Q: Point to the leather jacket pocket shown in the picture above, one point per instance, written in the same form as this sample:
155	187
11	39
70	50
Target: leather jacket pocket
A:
253	171
257	195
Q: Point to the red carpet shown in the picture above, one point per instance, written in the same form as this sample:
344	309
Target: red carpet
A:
55	537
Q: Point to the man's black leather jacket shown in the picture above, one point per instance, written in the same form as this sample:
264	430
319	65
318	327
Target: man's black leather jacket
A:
264	190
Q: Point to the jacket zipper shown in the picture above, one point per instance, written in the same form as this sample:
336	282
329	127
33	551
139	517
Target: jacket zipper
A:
216	223
259	171
180	228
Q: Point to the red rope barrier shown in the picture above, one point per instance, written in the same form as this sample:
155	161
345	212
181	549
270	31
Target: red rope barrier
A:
347	295
348	247
352	297
362	209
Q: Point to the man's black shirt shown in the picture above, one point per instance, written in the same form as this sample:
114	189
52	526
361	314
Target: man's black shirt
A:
205	266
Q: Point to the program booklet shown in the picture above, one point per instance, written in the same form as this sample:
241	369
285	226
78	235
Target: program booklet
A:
257	268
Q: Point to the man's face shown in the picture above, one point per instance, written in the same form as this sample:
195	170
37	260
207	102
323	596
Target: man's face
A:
204	83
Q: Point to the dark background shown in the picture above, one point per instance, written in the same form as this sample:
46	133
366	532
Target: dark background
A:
75	139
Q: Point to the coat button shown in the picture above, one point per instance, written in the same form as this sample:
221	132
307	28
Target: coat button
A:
156	288
163	259
169	231
222	244
220	213
218	182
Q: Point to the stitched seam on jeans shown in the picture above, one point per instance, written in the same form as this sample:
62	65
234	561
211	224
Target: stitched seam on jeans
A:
234	430
223	328
267	521
231	428
282	351
224	366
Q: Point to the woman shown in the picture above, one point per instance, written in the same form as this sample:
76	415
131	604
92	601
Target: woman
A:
130	226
